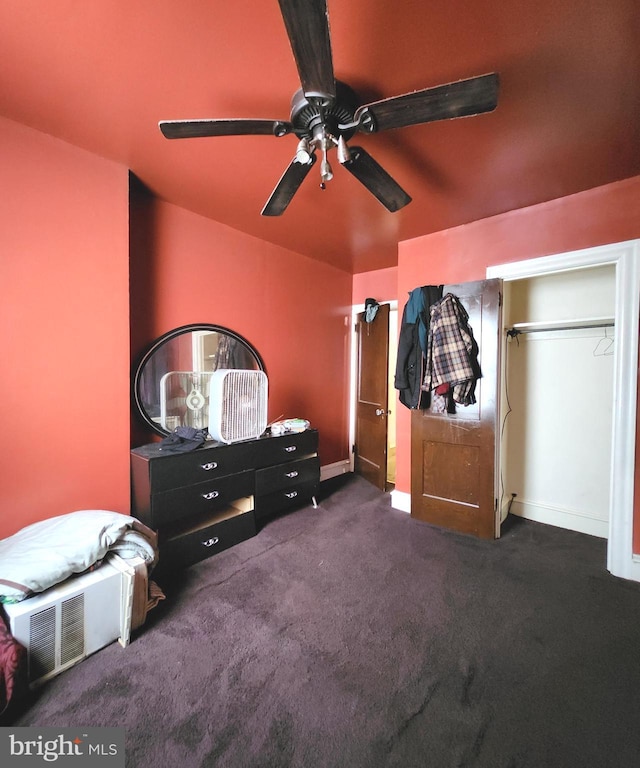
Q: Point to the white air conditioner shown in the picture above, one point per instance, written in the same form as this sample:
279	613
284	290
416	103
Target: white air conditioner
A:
73	619
237	405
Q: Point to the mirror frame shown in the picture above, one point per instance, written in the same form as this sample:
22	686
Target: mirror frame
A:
166	337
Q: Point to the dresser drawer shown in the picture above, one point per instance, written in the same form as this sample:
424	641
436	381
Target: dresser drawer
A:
178	470
201	499
281	500
275	450
287	475
210	536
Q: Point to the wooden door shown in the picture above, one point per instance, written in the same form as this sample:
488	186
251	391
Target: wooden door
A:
370	453
454	456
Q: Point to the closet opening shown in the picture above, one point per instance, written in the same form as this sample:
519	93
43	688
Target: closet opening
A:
624	258
557	398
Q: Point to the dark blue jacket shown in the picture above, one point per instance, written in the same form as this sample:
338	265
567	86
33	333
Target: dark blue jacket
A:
412	346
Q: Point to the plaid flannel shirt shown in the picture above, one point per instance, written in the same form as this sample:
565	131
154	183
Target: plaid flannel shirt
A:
450	351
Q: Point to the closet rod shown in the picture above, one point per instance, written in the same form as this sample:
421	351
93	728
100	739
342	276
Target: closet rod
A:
561	325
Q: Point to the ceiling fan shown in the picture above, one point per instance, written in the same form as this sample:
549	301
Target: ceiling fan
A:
326	113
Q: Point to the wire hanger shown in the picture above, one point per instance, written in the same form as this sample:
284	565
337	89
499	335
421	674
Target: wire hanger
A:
604	347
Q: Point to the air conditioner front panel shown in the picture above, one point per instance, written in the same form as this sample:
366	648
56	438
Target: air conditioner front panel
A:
69	621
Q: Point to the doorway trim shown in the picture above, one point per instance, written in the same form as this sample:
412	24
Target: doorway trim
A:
625	256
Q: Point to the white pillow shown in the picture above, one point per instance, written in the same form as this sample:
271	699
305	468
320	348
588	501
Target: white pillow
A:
45	553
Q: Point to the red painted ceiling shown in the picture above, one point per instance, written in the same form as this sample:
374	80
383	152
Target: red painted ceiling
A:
100	74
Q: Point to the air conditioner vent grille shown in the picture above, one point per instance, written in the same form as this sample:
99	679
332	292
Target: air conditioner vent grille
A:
42	643
72	629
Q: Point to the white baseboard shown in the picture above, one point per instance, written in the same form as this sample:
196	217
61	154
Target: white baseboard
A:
561	517
333	470
401	500
540	513
634	571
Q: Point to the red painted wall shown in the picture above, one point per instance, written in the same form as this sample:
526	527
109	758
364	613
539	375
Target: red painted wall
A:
381	285
604	215
64	319
66	247
290	307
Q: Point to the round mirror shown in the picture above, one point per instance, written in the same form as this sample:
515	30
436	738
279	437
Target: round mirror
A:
171	383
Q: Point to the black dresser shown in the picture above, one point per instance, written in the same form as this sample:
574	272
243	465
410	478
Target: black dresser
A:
207	500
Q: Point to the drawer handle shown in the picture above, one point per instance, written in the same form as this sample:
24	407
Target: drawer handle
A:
209	465
290	448
291	494
211	542
291	474
211	495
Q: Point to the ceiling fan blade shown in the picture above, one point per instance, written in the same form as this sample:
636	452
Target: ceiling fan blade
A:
307	24
191	129
460	99
376	179
286	188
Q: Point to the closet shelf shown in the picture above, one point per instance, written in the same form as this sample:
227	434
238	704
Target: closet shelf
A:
562	325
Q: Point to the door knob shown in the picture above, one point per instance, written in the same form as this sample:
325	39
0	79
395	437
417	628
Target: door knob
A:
381	411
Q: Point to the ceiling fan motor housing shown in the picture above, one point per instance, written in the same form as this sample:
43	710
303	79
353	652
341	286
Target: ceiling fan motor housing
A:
309	113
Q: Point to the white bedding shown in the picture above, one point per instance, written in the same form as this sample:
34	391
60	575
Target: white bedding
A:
47	552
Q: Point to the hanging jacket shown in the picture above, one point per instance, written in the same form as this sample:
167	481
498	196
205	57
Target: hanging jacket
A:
452	353
412	345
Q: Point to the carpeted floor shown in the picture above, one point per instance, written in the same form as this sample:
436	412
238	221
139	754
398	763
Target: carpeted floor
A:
354	636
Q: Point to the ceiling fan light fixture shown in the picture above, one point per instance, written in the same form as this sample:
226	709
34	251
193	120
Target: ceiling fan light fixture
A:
303	152
326	173
344	153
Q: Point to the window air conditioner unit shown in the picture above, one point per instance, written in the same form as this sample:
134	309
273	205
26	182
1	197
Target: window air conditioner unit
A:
237	405
73	619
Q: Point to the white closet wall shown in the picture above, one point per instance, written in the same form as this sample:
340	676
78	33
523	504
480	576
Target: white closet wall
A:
556	439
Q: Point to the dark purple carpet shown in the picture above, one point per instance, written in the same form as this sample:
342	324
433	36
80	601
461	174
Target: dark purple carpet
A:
354	636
